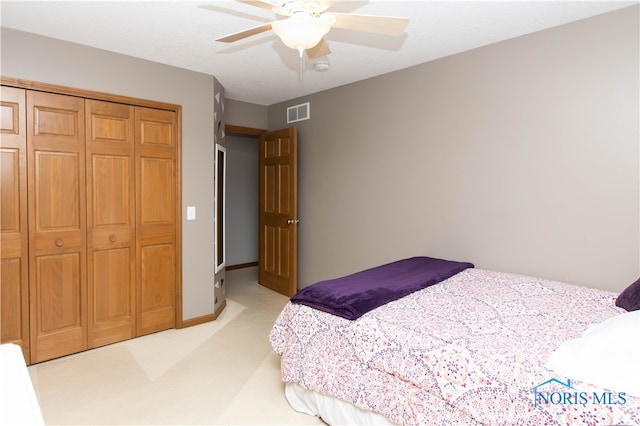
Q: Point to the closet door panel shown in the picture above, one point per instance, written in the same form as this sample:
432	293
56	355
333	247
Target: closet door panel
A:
156	203
57	225
157	288
11	300
60	303
111	318
110	222
14	283
156	138
58	180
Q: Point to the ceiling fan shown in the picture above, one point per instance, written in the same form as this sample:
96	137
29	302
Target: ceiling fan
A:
302	24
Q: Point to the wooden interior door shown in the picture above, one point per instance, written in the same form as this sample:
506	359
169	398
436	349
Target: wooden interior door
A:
278	217
57	225
14	256
111	249
156	162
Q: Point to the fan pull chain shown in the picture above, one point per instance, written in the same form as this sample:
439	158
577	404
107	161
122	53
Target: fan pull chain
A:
301	51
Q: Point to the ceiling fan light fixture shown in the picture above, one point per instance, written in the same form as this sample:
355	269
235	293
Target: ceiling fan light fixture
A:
301	31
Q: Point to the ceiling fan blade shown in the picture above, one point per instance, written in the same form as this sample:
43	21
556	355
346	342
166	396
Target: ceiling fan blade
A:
388	25
319	50
245	33
261	4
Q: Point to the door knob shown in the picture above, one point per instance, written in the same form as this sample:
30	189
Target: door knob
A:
292	221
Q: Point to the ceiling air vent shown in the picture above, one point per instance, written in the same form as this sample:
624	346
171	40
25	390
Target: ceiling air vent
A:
298	113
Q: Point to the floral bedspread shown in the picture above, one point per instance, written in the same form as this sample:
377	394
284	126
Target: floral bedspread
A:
469	350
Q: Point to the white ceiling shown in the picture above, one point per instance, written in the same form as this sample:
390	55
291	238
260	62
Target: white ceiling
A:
261	69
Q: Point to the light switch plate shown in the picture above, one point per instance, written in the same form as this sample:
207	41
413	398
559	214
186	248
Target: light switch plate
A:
191	213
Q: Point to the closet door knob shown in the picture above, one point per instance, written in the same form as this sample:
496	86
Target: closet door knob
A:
112	238
59	242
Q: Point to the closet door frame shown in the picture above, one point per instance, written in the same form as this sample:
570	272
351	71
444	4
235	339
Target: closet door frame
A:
177	109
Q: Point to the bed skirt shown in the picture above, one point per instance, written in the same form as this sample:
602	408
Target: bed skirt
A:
331	410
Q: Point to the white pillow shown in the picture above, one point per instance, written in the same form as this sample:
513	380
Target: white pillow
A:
607	355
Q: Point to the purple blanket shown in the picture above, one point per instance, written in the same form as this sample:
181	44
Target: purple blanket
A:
354	295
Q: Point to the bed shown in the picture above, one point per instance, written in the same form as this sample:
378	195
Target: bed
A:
18	400
471	348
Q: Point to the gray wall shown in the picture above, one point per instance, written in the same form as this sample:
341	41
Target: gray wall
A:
242	199
246	114
31	57
219	102
521	156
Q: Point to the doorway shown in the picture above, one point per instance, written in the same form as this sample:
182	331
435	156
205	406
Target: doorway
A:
242	196
277	206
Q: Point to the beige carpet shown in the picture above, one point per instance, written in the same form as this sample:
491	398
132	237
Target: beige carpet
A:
219	373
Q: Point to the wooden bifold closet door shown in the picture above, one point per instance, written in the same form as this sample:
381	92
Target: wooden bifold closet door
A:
14	263
89	222
111	232
57	225
156	219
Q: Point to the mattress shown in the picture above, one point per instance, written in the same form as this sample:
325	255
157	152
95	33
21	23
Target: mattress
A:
469	350
18	401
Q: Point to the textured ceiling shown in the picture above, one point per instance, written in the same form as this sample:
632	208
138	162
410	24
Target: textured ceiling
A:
261	69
